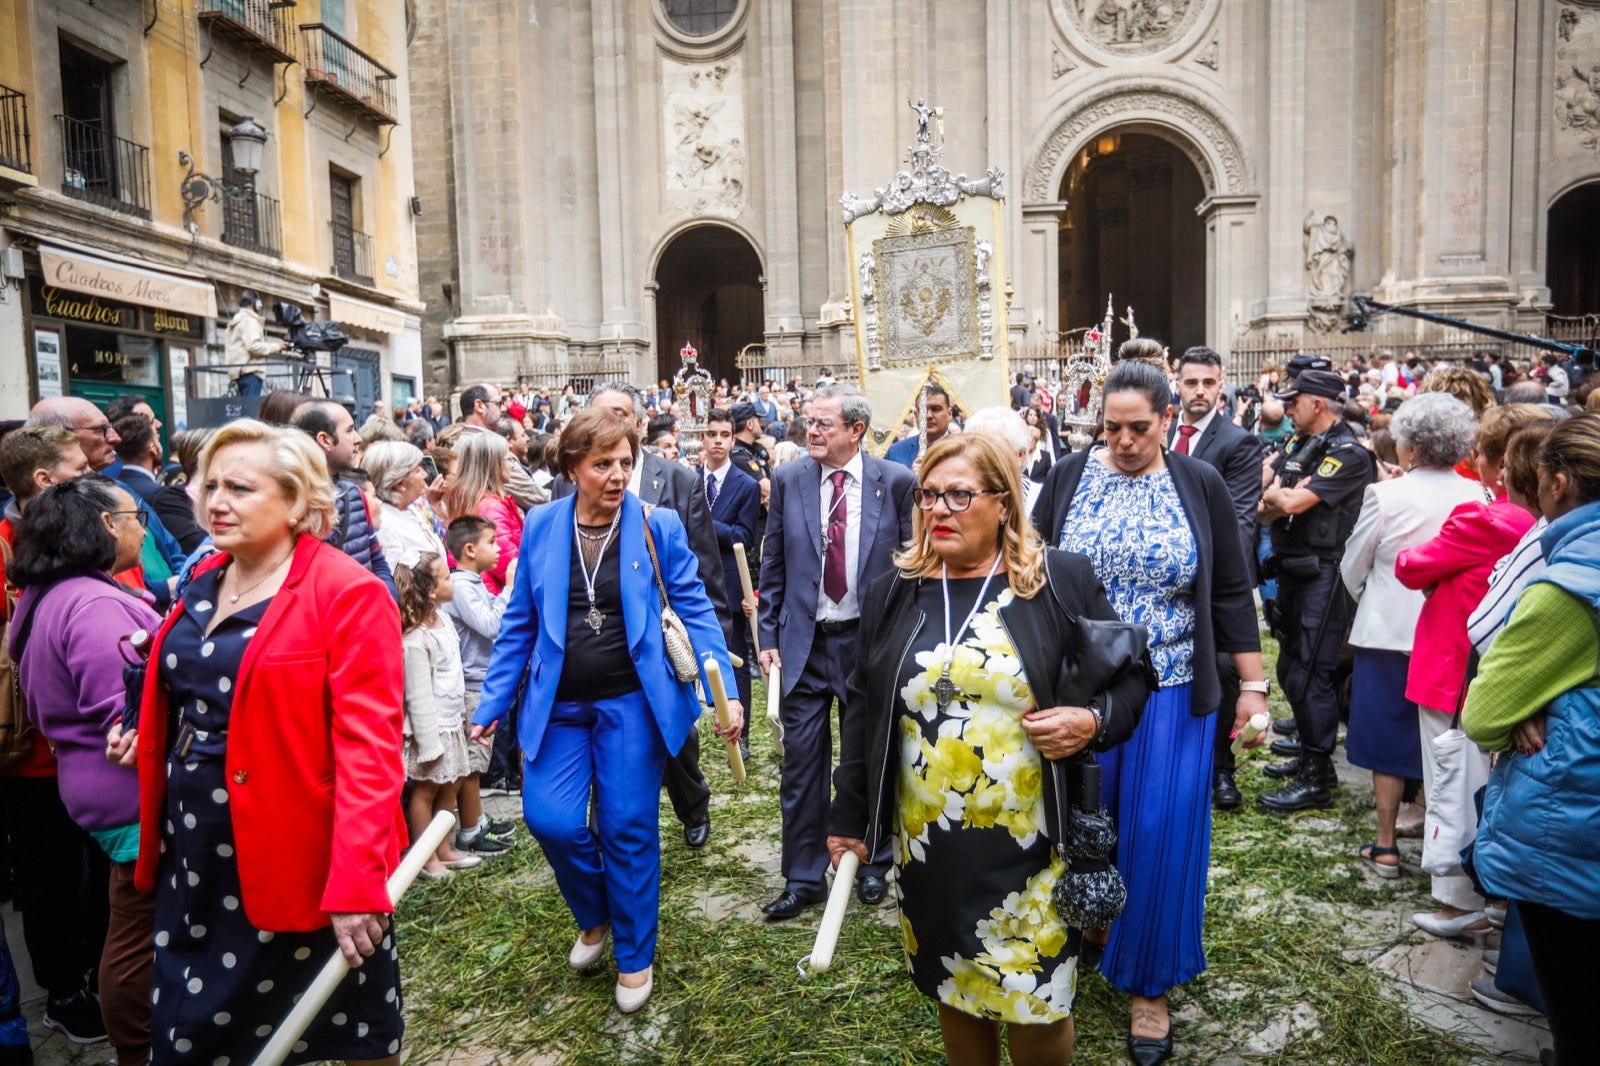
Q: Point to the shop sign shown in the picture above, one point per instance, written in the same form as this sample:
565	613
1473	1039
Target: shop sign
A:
52	302
174	322
119	281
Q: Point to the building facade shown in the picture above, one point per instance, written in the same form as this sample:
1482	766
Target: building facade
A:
605	180
138	200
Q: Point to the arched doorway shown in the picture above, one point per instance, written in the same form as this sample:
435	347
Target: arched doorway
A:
1572	265
1130	230
709	295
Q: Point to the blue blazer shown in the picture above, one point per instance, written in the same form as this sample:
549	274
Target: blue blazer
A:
791	552
903	452
736	519
533	631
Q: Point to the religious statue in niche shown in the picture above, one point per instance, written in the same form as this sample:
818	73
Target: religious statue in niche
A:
1134	25
1577	89
704	137
1329	255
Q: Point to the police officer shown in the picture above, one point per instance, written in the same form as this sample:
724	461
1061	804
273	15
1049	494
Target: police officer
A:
1311	504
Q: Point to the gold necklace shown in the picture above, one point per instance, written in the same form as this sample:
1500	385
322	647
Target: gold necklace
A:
245	592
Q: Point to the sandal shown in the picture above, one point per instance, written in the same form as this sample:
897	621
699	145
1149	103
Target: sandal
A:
1370	854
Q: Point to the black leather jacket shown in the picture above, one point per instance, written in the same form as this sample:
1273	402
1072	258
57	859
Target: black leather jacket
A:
865	780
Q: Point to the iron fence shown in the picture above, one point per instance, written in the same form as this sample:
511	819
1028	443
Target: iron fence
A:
335	66
252	221
16	142
352	253
110	171
261	24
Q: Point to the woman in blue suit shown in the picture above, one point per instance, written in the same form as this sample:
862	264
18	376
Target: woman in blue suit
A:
602	710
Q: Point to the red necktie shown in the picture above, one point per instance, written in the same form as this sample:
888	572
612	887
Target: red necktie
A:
1184	433
834	582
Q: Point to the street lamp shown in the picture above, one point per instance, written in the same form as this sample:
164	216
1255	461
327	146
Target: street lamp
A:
247	142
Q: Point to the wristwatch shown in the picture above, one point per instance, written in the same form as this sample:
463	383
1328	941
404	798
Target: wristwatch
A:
1264	687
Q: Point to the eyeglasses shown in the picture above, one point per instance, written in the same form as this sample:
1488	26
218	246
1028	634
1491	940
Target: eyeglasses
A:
955	500
142	517
103	429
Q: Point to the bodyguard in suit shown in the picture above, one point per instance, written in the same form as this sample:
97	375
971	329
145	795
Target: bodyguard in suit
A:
663	483
835	520
1200	432
938	411
735	502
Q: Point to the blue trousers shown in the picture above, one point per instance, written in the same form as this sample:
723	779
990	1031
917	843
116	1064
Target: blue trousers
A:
613	748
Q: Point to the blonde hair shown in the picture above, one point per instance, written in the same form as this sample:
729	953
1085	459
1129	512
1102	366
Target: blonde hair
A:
1468	386
1021	550
480	471
296	463
387	463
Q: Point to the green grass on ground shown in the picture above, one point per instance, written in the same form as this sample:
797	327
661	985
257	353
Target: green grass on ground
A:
1292	925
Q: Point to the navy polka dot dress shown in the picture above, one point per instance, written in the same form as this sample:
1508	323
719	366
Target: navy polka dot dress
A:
221	985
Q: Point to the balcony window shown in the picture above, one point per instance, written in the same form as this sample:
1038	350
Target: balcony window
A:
16	142
263	26
352	249
96	164
339	70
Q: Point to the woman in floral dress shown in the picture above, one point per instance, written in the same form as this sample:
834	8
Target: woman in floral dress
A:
1161	531
943	746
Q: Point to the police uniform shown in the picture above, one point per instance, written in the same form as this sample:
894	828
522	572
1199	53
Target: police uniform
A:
1313	608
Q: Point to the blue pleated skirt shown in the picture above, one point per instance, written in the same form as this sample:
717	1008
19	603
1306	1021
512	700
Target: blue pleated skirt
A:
1383	734
1158	787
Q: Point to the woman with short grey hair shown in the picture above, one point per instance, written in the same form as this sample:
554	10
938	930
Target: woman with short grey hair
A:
399	480
1432	433
1436	428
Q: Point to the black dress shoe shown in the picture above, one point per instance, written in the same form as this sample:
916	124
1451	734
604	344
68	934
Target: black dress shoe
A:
790	904
1288	747
871	890
1282	770
696	835
1150	1050
1284	727
1224	793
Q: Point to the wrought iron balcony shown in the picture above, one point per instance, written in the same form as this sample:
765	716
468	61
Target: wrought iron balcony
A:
341	71
252	220
352	253
103	169
16	148
262	26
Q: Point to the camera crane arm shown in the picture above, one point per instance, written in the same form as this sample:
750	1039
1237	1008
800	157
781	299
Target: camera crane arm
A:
1367	308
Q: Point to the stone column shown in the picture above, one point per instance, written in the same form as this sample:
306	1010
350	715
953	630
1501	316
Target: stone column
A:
1286	172
615	155
1037	259
1232	266
785	326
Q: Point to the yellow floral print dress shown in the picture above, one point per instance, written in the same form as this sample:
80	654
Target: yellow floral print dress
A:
975	871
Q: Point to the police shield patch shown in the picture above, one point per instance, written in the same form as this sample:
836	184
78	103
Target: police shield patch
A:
1329	467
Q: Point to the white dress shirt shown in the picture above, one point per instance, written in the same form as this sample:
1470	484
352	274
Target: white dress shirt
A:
719	475
848	608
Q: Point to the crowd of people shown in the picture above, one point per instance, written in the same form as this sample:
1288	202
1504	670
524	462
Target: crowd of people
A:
304	628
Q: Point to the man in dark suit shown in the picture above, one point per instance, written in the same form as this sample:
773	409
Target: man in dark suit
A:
938	412
662	483
835	519
1204	433
735	501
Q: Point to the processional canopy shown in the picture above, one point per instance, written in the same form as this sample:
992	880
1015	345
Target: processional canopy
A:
927	284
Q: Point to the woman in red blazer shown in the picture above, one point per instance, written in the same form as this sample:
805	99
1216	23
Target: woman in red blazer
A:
1453	568
269	770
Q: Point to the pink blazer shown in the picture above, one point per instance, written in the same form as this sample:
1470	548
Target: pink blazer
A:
1455	565
507	518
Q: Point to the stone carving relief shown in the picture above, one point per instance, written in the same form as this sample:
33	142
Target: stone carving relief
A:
1577	67
1133	27
704	133
1208	56
1060	65
1329	256
1127	102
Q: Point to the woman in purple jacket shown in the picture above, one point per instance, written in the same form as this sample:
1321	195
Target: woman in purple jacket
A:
65	637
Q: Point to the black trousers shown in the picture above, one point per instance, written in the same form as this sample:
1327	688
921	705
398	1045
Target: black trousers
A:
61	877
1315	611
1564	949
686	785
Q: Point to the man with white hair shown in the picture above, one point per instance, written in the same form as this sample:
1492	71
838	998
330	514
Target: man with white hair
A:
1007	426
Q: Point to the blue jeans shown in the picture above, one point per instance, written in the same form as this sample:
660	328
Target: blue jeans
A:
614	749
13	1026
250	384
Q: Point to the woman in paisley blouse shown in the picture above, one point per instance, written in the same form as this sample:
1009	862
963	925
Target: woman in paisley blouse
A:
943	746
1161	533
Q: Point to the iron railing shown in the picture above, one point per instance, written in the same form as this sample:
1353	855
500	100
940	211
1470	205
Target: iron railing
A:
16	143
252	221
261	25
102	169
352	253
344	72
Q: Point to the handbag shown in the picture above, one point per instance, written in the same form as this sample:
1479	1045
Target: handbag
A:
16	729
1451	824
680	649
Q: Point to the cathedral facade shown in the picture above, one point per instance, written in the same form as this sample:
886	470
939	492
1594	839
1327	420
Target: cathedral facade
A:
605	181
